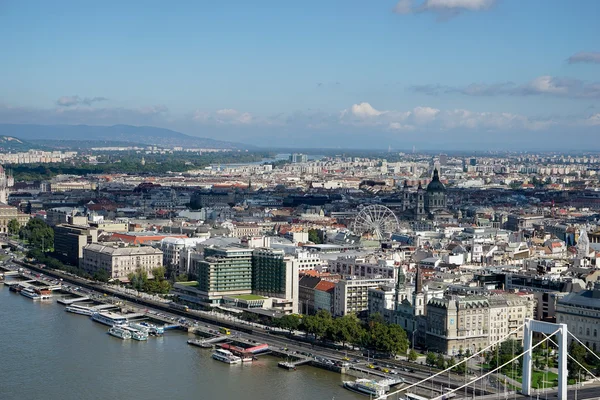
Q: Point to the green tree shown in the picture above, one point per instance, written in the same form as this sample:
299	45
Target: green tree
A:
289	322
313	236
13	226
440	361
323	323
430	359
578	353
38	233
101	275
412	355
346	329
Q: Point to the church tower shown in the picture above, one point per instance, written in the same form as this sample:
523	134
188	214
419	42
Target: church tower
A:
405	197
420	210
3	186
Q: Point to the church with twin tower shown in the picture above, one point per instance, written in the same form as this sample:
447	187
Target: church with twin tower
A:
423	204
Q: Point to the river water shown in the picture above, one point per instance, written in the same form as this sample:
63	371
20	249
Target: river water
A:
47	353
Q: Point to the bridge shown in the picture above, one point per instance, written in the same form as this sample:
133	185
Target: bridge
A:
549	331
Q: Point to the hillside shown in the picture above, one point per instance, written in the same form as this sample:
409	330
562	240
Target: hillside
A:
116	133
13	144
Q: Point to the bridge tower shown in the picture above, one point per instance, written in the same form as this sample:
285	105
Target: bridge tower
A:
548	329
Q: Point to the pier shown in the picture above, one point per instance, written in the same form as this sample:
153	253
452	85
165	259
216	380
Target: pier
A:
67	302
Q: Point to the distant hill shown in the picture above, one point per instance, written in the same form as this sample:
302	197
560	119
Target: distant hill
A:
82	144
116	133
13	144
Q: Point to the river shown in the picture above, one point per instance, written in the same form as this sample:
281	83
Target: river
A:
47	353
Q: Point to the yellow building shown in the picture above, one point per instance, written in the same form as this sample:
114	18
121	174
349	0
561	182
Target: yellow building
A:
9	212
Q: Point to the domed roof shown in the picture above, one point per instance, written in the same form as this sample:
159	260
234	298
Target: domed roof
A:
435	185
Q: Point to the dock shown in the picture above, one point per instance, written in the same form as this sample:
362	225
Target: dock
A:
294	364
67	302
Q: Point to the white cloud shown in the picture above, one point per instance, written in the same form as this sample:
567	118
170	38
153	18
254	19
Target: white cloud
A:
447	8
225	116
365	110
424	115
545	85
68	101
593	120
592	57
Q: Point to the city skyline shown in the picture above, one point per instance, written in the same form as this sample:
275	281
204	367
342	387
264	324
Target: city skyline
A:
463	74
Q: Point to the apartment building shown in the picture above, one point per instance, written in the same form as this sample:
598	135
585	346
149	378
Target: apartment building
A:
351	295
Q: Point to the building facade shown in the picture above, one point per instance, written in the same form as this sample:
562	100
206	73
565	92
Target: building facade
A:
581	312
119	262
274	275
69	241
224	272
457	324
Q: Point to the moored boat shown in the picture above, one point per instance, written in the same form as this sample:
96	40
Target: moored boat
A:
78	310
109	318
29	292
119	333
226	356
368	387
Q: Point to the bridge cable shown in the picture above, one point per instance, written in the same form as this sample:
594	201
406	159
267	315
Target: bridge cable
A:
573	358
587	348
494	370
462	361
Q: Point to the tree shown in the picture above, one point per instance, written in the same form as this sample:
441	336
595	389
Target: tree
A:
412	355
38	233
346	329
440	361
289	322
398	341
323	322
101	275
430	359
13	226
578	353
313	236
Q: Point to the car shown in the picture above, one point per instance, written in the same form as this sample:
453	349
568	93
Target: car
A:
371	366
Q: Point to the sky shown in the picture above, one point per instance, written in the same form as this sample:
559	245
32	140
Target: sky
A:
435	74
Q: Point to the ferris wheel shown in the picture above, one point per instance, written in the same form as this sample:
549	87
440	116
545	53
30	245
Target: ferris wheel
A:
377	221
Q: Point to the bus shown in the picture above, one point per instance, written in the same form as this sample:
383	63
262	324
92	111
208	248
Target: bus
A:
225	331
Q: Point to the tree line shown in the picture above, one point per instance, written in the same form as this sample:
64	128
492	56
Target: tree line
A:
374	334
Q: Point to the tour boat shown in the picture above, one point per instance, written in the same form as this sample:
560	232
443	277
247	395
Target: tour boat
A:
140	327
78	310
226	356
135	334
119	332
109	318
367	386
29	292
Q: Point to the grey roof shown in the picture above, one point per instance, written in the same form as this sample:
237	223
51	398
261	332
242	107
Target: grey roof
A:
122	251
586	298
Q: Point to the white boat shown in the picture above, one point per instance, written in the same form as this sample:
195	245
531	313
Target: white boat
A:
153	329
119	332
139	327
226	356
246	360
29	292
368	387
135	334
138	335
109	318
78	310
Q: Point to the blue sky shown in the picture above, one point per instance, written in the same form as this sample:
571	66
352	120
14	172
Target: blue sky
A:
502	72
